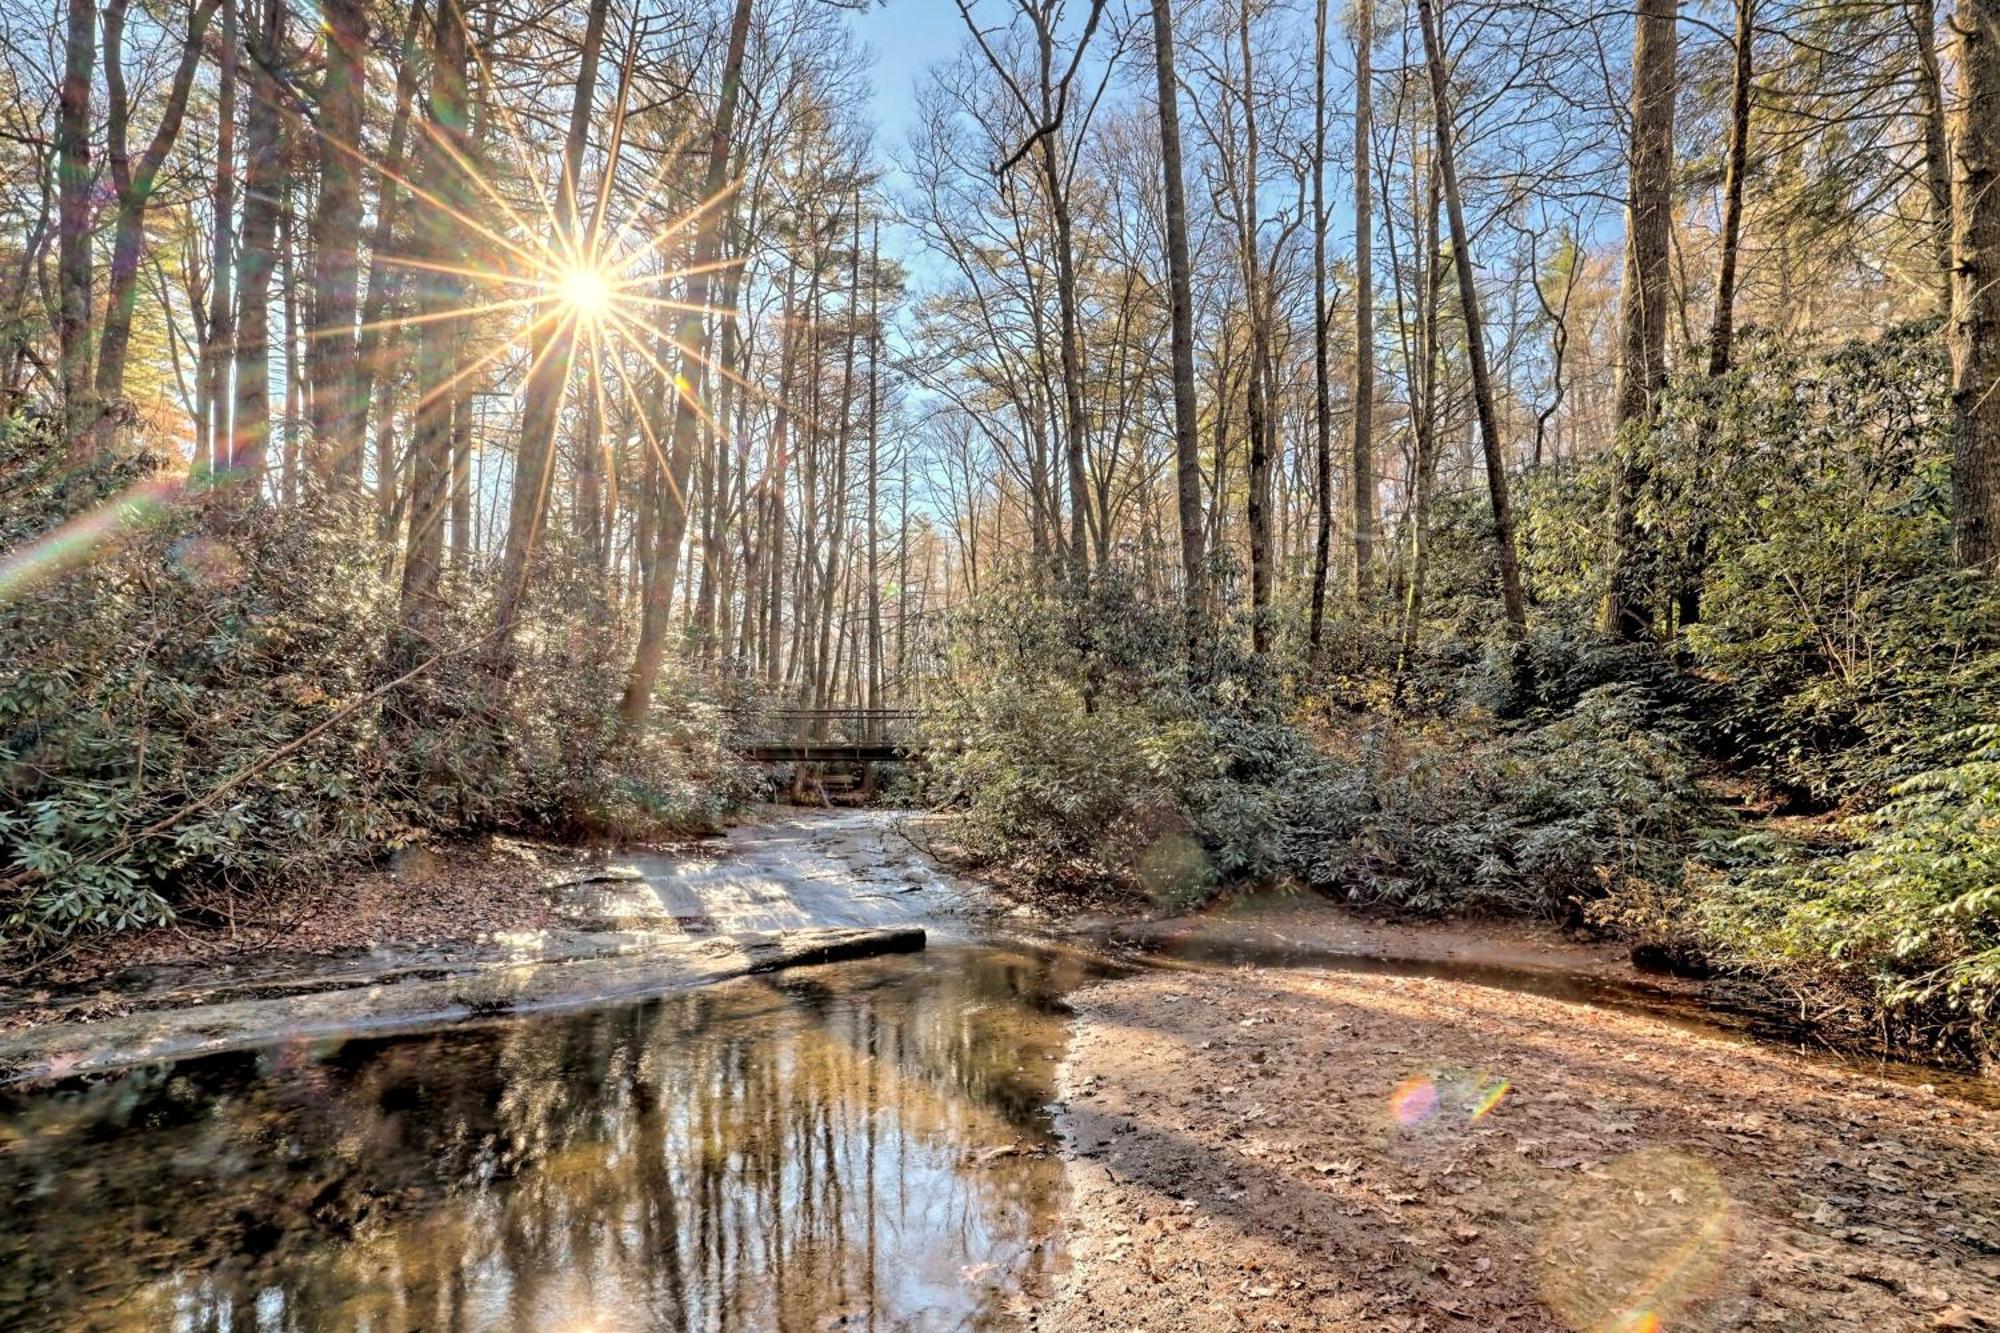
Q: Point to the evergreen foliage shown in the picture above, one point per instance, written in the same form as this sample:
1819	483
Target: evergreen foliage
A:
198	701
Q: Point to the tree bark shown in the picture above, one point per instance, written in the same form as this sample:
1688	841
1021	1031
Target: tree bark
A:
1428	304
1076	422
1322	383
1514	601
553	351
1642	369
1722	333
74	178
374	351
1975	294
1180	289
1256	409
1364	311
439	233
132	183
826	655
693	339
263	182
874	697
219	352
781	434
1937	151
339	417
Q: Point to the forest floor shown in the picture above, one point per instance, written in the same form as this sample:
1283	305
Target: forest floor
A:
1362	1145
420	897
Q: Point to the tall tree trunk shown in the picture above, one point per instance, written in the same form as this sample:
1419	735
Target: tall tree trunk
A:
132	183
1322	382
553	351
74	179
781	432
1513	599
263	183
1257	510
288	291
463	512
375	352
1364	310
1975	294
1076	423
1180	286
1429	302
338	416
824	665
590	473
693	338
1722	331
212	450
874	699
442	180
15	334
1937	151
1642	369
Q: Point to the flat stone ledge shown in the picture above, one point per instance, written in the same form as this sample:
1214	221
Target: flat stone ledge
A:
377	1006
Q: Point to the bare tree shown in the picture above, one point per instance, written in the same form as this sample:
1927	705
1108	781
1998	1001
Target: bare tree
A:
440	227
132	182
73	254
1047	112
1513	598
1975	293
552	351
338	411
1922	15
1364	311
1642	366
256	256
1180	284
1322	385
692	337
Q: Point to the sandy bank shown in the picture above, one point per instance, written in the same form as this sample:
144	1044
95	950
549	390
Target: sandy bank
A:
1286	1149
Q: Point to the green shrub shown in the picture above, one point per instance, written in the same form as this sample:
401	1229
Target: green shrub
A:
1539	820
1081	744
1901	915
1562	769
160	687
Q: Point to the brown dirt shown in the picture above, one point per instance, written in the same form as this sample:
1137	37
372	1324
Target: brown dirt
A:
1309	927
1284	1149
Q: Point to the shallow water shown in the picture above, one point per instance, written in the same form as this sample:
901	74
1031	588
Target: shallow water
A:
854	1147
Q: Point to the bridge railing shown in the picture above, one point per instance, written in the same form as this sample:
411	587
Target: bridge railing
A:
850	726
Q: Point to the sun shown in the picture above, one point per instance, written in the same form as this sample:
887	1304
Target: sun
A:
586	290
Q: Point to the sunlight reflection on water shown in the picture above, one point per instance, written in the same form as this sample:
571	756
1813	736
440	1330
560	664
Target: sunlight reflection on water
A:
851	1147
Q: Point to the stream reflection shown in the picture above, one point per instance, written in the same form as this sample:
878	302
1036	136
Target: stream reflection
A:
822	1149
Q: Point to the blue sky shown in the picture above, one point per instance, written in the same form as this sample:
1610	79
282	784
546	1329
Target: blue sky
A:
907	36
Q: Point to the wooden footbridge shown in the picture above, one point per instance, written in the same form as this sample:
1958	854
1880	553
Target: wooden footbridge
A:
832	735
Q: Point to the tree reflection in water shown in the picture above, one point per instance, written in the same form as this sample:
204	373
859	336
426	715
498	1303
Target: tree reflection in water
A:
802	1152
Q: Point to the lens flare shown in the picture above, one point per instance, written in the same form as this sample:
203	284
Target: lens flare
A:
1489	1097
1455	1097
1637	1244
85	535
1414	1101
